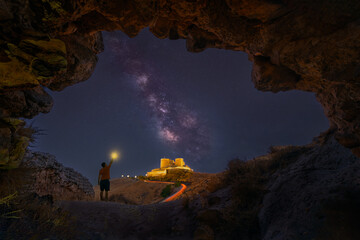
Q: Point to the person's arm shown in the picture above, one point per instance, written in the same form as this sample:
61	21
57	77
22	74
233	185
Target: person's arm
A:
111	161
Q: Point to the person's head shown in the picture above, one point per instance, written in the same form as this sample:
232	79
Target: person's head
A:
103	164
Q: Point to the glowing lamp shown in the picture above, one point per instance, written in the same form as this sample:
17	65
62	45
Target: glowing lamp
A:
114	155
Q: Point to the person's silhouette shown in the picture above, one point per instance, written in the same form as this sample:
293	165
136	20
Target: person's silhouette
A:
104	180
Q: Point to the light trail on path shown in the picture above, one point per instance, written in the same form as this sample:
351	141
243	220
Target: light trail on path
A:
175	195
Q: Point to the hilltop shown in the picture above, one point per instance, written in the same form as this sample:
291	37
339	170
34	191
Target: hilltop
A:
137	192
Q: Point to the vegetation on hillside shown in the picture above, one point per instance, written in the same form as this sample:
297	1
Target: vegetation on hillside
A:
248	181
166	191
26	215
16	138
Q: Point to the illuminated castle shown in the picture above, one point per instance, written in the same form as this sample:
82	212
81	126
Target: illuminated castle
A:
167	165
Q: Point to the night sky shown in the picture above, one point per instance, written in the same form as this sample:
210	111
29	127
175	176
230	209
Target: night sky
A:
149	98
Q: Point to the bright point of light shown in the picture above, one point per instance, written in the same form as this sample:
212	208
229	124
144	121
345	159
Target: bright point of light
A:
114	155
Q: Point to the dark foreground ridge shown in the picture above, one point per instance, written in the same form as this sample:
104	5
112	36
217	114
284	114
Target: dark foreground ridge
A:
306	192
108	220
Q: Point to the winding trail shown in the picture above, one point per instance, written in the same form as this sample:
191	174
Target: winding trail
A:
175	195
172	219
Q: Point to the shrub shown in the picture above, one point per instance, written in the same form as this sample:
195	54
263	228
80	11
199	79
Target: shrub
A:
177	175
248	181
29	216
5	203
166	191
142	177
38	219
16	138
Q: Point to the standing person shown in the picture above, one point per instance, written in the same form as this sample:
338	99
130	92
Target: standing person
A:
104	180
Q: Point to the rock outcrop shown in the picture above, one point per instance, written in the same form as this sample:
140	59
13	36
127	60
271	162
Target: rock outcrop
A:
323	179
308	192
313	194
294	44
52	178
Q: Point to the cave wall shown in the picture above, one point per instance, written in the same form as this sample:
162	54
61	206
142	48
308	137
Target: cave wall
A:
294	44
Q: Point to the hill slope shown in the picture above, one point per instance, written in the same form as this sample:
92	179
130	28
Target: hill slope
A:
132	191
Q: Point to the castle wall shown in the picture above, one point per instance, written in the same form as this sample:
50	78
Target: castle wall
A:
179	162
156	173
165	163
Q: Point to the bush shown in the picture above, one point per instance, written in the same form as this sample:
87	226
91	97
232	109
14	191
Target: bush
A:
29	216
142	177
248	181
166	191
177	176
5	203
38	219
16	138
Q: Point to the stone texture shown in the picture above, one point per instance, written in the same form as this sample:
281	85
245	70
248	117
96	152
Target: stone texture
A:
14	139
297	194
294	44
52	178
25	103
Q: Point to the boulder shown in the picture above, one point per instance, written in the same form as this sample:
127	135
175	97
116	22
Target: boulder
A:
52	178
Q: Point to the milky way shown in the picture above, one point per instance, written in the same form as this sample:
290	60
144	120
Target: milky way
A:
177	125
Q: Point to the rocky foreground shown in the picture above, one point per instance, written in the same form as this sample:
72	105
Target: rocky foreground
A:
308	193
52	178
294	192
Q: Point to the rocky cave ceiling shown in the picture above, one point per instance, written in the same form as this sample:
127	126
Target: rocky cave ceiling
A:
294	44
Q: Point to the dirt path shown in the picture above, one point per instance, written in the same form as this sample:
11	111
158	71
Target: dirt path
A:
173	196
108	220
159	221
132	191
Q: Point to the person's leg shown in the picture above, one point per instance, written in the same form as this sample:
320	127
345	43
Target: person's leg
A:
102	195
106	196
107	189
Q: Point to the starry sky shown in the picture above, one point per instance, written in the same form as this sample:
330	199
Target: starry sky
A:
149	98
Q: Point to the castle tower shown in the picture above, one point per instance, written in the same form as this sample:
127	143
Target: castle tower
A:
179	162
165	163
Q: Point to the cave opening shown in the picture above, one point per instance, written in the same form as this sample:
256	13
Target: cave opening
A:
150	98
